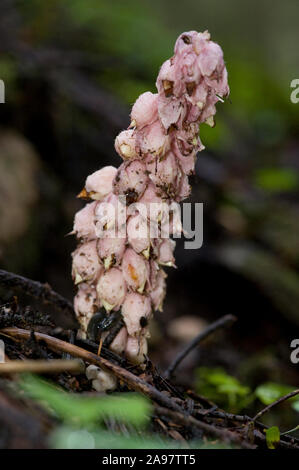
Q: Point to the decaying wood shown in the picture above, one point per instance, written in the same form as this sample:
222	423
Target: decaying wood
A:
52	366
42	292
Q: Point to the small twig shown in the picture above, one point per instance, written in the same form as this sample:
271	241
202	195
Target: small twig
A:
53	366
43	292
223	434
227	320
277	402
291	430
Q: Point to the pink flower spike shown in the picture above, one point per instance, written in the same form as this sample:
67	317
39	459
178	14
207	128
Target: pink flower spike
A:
125	235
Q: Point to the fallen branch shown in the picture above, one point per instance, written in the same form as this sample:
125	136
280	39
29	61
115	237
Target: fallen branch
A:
53	366
130	379
277	402
42	292
59	346
227	320
211	421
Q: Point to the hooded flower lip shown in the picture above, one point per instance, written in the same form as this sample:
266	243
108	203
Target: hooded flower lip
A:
125	233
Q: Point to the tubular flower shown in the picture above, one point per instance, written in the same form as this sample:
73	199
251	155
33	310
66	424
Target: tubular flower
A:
135	270
86	263
131	180
99	184
125	232
111	289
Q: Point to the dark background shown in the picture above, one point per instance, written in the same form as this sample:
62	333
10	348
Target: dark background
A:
72	69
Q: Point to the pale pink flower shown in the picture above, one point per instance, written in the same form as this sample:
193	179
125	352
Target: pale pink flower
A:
158	292
111	289
135	308
184	189
135	270
84	226
164	172
186	162
111	249
85	305
131	180
99	184
125	144
139	234
165	250
152	204
136	349
119	343
152	139
145	110
110	215
86	264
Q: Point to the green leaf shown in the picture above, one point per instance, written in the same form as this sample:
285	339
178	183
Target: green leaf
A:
69	407
272	437
222	388
270	391
277	179
295	405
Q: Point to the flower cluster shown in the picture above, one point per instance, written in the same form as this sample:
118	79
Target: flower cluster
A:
118	265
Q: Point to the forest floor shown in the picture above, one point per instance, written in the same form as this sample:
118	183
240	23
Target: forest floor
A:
33	344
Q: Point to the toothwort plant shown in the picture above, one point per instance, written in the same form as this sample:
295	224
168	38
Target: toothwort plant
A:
125	232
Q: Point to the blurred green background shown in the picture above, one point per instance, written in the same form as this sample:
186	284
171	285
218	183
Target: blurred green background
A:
72	69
